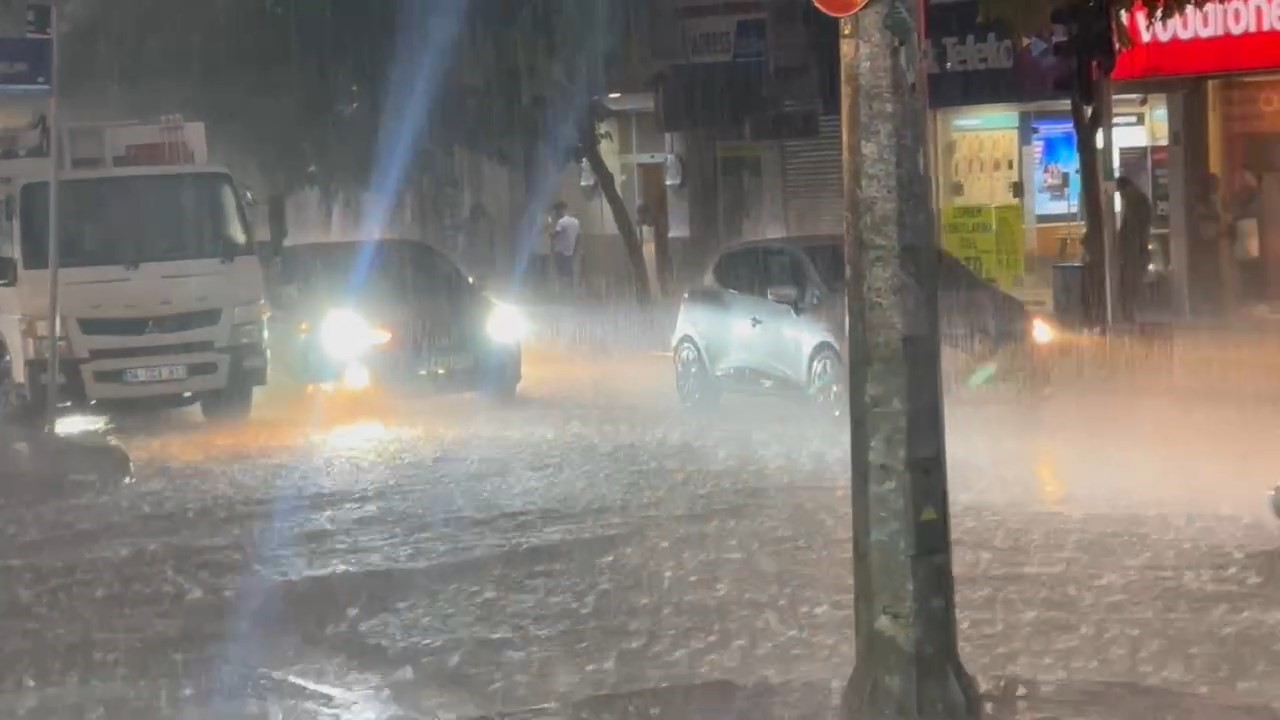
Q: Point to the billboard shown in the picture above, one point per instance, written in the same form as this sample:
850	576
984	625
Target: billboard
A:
1057	167
1229	36
26	64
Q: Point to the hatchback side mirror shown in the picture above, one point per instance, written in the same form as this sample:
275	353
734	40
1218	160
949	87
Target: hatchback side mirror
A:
8	272
784	294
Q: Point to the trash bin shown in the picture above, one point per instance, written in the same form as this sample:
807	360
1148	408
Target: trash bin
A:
1068	294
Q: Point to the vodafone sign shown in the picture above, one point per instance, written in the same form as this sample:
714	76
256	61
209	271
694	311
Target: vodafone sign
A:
1229	36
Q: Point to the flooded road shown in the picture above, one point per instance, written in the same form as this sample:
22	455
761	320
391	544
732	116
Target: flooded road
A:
448	557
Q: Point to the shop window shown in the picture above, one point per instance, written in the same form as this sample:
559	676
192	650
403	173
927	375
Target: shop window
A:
979	163
1009	185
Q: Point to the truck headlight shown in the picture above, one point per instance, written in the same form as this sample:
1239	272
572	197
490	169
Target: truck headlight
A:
248	314
506	324
345	335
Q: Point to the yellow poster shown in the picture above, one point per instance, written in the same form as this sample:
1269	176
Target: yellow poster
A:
987	239
1009	243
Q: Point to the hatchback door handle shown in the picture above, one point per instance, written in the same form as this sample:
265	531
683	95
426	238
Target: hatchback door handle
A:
756	322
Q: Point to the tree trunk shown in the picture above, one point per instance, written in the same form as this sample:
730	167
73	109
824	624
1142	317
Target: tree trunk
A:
662	264
1086	122
621	218
907	660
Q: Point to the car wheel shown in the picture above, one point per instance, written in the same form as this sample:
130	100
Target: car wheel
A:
695	385
827	382
234	402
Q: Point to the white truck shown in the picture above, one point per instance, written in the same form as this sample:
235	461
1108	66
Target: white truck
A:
161	292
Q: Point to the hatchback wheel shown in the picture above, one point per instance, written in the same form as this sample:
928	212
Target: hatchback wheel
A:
695	385
827	382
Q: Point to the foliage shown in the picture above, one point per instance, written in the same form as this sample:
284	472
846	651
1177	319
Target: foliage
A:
294	84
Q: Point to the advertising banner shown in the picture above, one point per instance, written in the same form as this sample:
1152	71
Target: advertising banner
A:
25	64
1229	36
988	239
971	62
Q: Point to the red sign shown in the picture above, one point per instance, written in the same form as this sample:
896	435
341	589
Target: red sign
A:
840	8
1229	36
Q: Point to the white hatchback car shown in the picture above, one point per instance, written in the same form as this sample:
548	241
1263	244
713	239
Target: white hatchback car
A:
769	317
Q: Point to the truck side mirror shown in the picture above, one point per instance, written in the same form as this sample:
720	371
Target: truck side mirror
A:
278	223
9	213
8	272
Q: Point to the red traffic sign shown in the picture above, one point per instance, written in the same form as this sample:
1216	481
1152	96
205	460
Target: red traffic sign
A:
840	8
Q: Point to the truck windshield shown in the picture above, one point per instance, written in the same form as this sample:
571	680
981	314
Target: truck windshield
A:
134	220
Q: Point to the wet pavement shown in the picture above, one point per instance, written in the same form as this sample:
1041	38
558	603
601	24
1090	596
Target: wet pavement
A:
592	548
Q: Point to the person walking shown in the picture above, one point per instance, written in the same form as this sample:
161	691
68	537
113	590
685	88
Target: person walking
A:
565	229
1134	246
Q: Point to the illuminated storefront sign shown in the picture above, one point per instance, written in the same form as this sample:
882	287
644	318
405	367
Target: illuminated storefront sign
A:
1231	36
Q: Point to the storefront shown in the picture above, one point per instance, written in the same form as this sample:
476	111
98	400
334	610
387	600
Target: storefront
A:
1227	55
1007	167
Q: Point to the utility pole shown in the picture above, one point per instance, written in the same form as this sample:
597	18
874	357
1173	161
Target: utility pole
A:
55	160
908	660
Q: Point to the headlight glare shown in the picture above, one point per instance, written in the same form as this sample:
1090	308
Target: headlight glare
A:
506	324
1042	333
345	335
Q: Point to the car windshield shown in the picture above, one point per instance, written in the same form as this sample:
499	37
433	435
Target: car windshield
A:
134	220
393	271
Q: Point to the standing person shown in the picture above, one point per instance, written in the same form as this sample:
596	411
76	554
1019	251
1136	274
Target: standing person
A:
1245	242
564	246
1134	245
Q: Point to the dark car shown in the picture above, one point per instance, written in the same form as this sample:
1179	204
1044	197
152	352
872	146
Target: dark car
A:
769	316
352	314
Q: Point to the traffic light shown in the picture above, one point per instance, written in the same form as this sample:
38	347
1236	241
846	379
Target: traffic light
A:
1086	48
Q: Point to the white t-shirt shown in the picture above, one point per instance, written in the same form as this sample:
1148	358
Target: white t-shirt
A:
564	236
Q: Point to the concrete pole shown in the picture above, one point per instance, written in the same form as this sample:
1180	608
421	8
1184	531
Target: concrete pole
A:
908	662
55	160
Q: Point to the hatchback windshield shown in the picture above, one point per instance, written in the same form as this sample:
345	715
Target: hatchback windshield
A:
134	220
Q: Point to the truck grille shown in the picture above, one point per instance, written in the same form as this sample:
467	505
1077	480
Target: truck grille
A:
158	325
150	351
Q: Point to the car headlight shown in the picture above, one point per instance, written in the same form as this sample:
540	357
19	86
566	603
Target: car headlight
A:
246	314
345	335
1042	333
506	324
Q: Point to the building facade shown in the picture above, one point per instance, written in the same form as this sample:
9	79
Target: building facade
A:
1221	66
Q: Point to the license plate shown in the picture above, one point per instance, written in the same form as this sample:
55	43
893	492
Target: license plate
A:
161	373
449	363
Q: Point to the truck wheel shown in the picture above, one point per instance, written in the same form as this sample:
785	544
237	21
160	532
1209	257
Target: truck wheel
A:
15	407
234	402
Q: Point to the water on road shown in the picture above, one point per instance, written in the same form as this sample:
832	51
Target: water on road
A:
406	556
